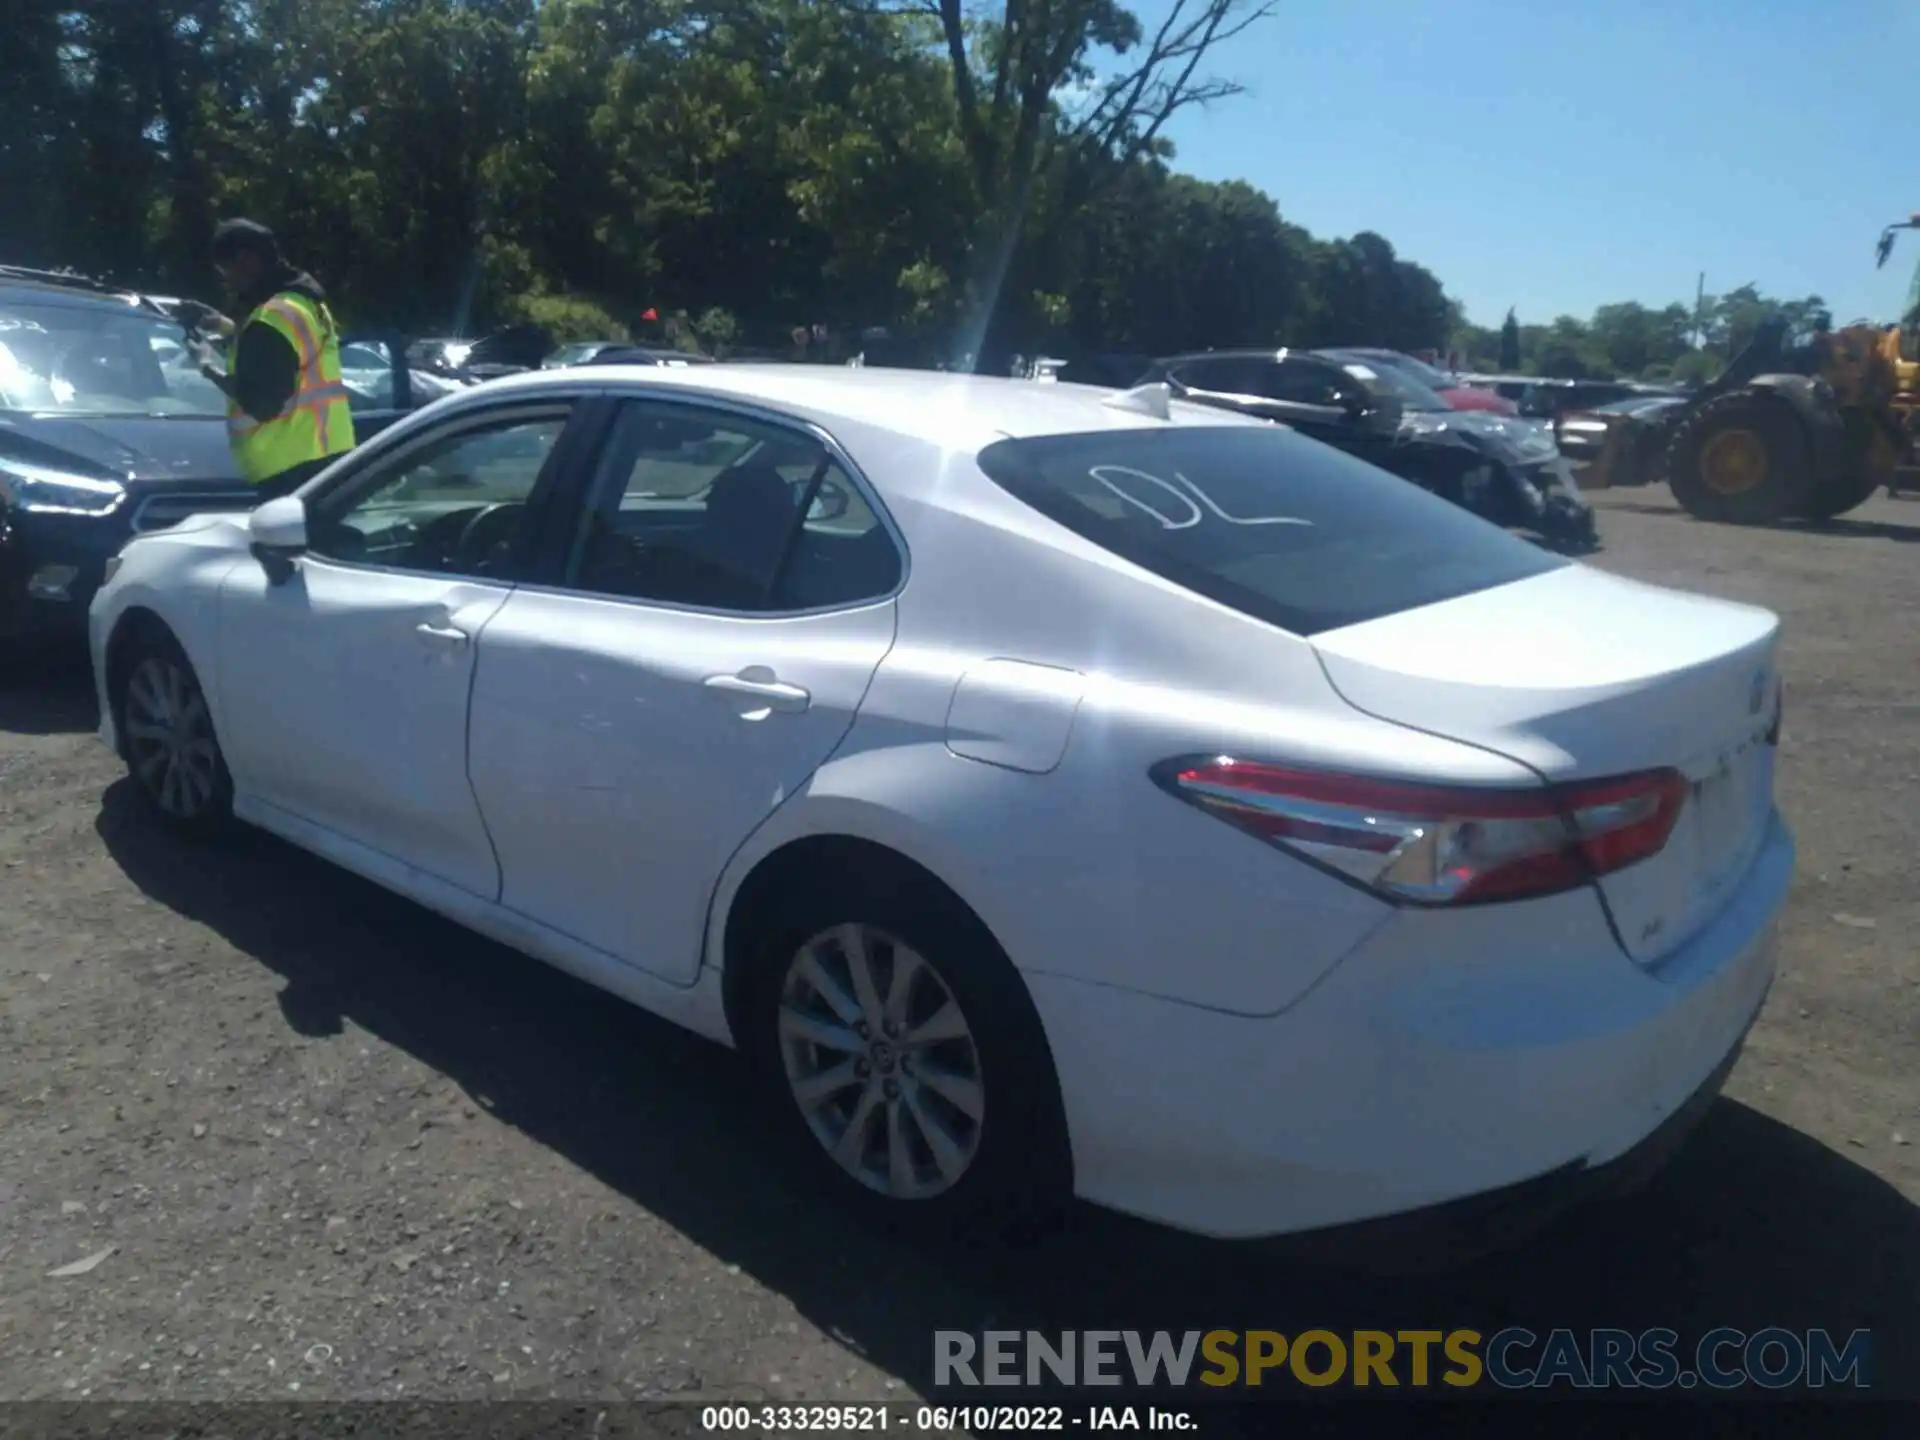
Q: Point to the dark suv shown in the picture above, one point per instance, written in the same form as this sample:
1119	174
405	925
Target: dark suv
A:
107	429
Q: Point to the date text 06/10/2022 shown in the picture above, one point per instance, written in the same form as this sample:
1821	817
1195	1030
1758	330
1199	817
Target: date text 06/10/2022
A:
941	1419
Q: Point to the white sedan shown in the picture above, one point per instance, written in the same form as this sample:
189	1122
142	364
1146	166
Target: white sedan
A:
1046	789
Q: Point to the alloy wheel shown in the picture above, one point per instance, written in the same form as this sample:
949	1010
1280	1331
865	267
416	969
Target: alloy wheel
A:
1734	461
170	738
882	1062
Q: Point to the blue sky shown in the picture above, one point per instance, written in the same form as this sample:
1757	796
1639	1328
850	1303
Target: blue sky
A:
1559	155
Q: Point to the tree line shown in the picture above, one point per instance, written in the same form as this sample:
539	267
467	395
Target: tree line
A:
979	179
1679	343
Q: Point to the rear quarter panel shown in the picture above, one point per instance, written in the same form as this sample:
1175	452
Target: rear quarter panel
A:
1089	870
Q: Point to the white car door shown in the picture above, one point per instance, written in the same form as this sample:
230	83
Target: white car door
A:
702	654
344	684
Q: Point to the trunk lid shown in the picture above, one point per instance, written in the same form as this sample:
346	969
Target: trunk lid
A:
1582	675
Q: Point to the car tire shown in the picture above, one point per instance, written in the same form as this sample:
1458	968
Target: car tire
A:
964	1136
167	737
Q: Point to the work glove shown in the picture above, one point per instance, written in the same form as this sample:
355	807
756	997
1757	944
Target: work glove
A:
202	352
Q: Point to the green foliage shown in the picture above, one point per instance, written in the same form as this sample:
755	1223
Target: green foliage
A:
1696	367
1634	341
717	331
979	177
1509	360
565	317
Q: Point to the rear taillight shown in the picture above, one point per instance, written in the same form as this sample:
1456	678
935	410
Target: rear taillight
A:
1439	845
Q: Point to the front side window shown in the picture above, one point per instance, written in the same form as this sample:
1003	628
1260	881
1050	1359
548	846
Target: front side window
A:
1264	520
100	361
1303	383
1230	376
456	505
705	509
1413	396
1416	370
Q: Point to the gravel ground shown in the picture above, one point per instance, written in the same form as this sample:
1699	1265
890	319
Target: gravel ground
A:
338	1148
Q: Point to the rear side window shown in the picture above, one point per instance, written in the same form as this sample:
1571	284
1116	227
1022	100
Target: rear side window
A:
1239	376
1262	519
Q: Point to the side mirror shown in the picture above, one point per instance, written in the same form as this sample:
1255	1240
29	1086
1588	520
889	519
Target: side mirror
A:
279	531
280	525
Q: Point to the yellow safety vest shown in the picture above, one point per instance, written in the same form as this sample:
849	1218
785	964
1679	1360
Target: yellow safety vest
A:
315	422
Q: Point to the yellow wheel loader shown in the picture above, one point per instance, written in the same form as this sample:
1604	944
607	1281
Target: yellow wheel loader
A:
1789	431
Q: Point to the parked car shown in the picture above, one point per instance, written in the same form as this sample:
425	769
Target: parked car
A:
507	351
1551	401
579	352
1539	398
367	370
1457	394
107	430
1505	470
1047	789
647	355
1582	434
619	352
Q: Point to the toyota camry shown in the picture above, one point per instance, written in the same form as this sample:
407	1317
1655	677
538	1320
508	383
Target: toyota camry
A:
1049	790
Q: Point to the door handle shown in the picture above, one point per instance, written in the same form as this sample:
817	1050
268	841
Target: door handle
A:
771	693
442	634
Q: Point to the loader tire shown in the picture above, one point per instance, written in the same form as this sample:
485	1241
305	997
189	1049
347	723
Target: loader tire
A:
1872	457
1742	459
1841	494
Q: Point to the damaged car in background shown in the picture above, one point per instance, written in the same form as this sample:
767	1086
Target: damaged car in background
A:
1451	388
1505	470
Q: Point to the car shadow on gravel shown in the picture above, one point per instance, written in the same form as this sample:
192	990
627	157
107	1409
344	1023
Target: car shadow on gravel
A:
1753	1225
46	694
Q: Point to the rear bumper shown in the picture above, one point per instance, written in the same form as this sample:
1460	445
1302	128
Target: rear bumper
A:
1511	1058
1461	1230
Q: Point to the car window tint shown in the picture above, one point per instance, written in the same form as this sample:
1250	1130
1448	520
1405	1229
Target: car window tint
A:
843	554
1237	376
702	508
1384	380
1306	383
98	361
454	506
1262	519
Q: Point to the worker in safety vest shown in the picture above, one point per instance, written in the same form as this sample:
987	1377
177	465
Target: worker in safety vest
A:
287	415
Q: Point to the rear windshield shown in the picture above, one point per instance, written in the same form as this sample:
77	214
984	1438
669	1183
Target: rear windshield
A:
1262	519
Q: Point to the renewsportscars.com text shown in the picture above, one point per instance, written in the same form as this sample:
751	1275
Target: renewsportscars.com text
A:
1512	1359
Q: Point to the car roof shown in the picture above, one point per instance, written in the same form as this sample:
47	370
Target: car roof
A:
51	292
1244	353
1382	356
940	408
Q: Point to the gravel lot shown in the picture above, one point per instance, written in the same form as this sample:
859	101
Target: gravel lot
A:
341	1149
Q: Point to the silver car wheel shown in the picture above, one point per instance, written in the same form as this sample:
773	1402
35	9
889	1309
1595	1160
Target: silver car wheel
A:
169	738
881	1062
